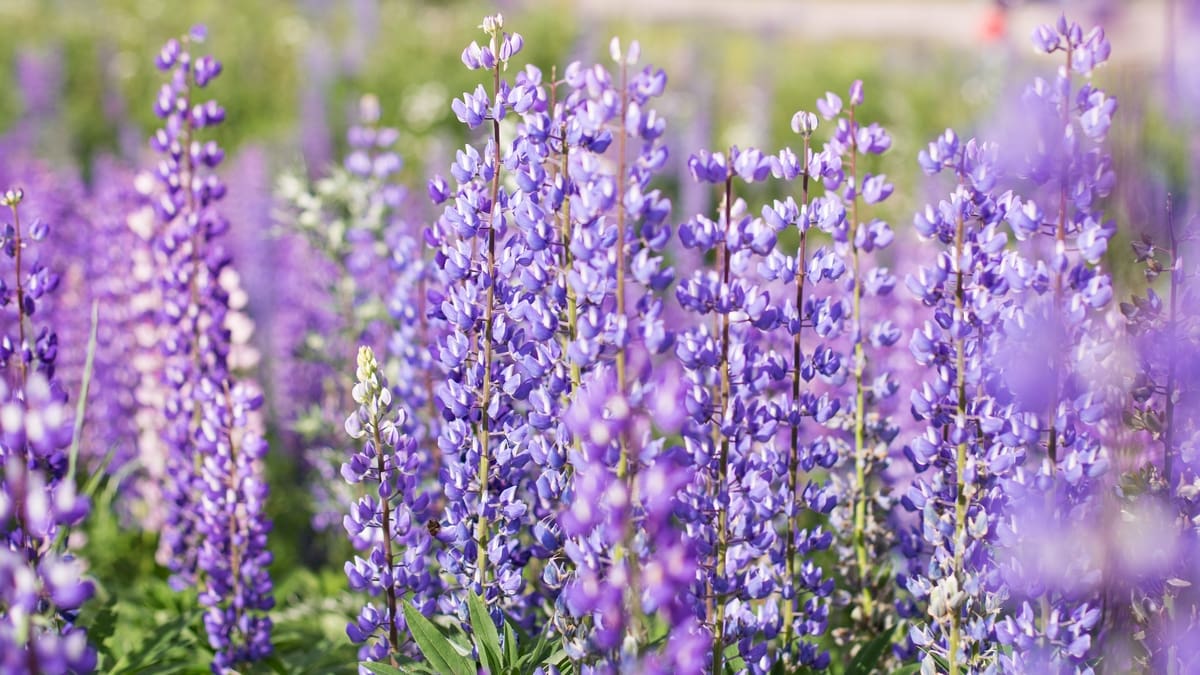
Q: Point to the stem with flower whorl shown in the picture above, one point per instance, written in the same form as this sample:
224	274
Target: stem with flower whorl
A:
1055	355
619	246
960	463
481	529
1059	243
789	608
231	480
12	199
860	423
386	523
723	256
1172	317
568	260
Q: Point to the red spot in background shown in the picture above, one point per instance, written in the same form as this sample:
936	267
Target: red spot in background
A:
994	26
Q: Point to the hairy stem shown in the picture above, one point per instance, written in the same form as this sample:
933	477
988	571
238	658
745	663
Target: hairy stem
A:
789	607
619	246
860	420
231	485
723	466
21	313
1172	305
1060	237
389	558
960	464
481	529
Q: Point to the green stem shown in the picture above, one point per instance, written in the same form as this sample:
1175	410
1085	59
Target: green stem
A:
789	607
723	467
21	312
960	466
1055	356
481	528
860	421
1172	305
388	555
619	246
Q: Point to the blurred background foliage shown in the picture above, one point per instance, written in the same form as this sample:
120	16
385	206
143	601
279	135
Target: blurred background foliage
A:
294	64
297	67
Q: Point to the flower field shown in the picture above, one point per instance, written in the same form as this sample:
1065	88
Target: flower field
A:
539	381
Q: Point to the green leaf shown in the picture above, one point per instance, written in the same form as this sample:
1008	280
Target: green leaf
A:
101	625
435	647
150	653
275	664
910	669
557	657
81	407
80	412
733	661
487	640
532	658
867	659
511	653
381	668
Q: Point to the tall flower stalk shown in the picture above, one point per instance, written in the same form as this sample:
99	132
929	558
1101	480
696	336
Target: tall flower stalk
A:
386	524
356	275
41	584
1161	407
478	257
216	529
966	449
1054	339
729	370
805	408
849	190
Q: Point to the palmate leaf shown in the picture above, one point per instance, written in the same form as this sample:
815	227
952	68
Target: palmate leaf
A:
542	653
733	661
866	661
487	640
511	652
152	654
435	647
84	387
412	668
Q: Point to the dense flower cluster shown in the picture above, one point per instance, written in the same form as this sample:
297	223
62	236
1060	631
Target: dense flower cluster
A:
1062	291
968	447
216	528
850	280
41	583
386	524
590	434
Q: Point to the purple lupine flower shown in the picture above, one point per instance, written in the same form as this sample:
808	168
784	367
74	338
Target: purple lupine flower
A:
41	586
656	571
1153	536
215	531
233	555
807	378
615	273
386	523
118	271
485	266
732	372
859	404
967	448
1052	336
